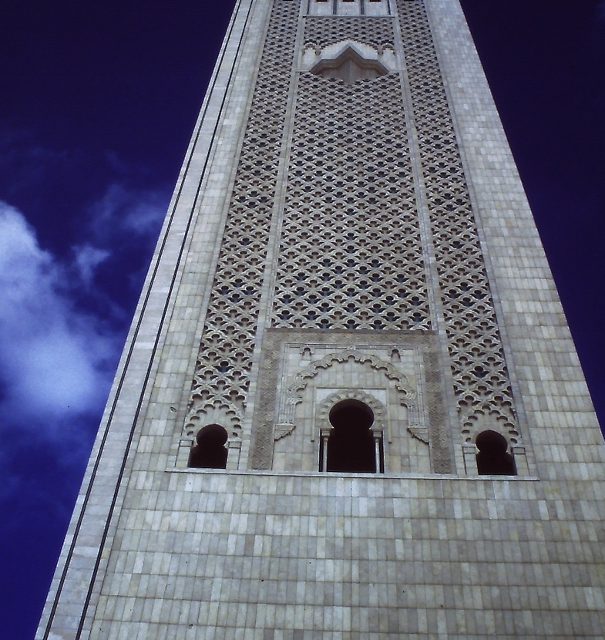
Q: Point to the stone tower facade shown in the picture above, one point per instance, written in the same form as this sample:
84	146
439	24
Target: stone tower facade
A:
349	406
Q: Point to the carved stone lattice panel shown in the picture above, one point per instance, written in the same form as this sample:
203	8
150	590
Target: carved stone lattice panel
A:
481	379
321	32
301	368
350	254
223	366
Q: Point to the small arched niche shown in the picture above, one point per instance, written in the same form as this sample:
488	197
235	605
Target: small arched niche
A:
209	451
351	444
493	458
349	66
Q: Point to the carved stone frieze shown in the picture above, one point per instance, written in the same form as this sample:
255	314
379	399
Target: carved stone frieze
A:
350	252
222	371
303	372
481	379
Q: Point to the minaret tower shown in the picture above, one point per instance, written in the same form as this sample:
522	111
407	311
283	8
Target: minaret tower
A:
349	406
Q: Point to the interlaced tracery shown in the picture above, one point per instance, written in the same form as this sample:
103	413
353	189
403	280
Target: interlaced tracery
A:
350	255
321	32
223	365
481	379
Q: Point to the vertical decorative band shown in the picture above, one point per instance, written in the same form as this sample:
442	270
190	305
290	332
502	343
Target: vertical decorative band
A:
481	379
222	371
350	254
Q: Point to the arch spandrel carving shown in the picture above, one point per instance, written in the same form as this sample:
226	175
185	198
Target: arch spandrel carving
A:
300	368
301	380
378	409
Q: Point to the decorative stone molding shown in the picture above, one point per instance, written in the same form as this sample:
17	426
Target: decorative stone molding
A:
378	409
420	433
282	430
274	419
406	393
349	61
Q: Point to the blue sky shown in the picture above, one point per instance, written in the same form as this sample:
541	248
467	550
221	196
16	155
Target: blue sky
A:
99	100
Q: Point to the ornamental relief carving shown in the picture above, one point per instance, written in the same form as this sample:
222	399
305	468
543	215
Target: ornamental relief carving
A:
349	61
376	32
406	395
293	394
222	372
306	395
352	252
301	369
480	374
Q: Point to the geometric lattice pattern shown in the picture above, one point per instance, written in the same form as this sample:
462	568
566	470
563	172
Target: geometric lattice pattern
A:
481	380
350	251
224	361
321	32
350	255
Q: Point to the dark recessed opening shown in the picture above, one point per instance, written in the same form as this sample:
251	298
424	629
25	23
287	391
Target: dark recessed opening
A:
210	451
493	458
351	443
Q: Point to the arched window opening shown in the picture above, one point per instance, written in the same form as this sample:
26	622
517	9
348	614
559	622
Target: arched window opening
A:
493	458
210	451
351	446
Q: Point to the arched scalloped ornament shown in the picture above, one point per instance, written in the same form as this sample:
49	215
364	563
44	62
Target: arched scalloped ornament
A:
482	420
407	396
219	413
378	409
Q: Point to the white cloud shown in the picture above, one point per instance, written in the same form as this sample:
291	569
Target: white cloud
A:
123	211
144	217
53	358
119	220
88	258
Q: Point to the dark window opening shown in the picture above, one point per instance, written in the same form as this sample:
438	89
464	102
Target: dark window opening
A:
351	445
210	451
493	458
380	454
